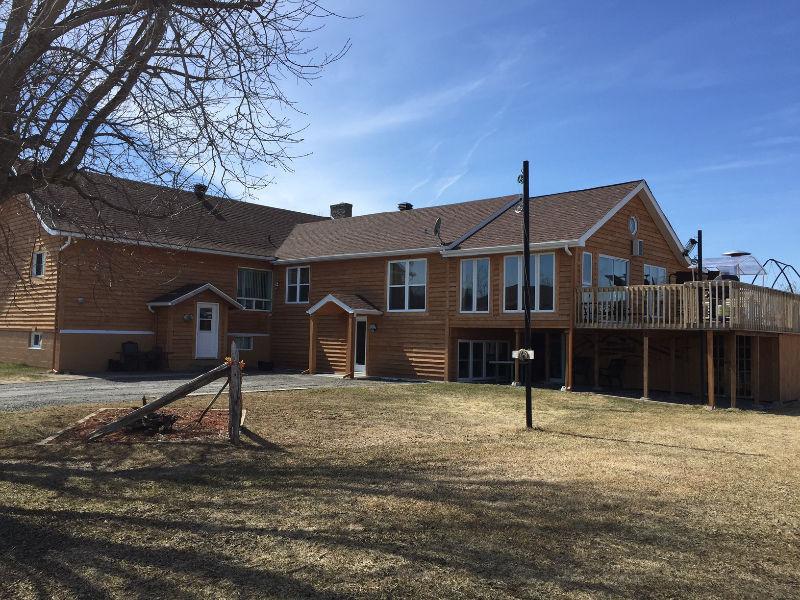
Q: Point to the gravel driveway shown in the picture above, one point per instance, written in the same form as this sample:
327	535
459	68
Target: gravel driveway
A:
39	394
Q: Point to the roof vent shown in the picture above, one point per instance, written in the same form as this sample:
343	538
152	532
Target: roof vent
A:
405	206
200	191
343	210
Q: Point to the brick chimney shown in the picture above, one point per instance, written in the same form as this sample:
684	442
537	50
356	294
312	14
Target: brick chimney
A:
342	210
200	191
403	206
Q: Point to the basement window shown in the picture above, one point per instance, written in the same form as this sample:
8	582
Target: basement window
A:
38	264
244	342
36	340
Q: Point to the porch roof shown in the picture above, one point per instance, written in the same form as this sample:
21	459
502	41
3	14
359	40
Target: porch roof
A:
350	303
188	291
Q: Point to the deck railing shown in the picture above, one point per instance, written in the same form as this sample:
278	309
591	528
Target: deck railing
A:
724	305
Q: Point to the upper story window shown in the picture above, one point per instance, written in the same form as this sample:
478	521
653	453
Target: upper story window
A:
654	275
475	285
408	285
612	271
254	289
38	263
298	284
542	291
586	269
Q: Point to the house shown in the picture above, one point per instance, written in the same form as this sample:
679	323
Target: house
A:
389	294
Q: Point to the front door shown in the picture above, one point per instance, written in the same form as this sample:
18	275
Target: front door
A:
361	345
207	338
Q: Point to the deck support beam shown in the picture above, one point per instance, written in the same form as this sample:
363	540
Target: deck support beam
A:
570	359
645	366
312	345
755	375
710	368
732	368
351	368
596	361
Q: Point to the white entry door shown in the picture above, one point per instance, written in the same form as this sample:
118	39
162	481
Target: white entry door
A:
207	338
361	345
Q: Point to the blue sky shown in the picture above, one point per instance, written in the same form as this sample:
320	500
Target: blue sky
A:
439	102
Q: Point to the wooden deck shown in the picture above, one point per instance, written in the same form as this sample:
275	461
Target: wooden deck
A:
706	305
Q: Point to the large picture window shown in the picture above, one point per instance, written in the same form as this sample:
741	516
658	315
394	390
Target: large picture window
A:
298	285
475	285
408	285
654	275
254	289
612	271
542	291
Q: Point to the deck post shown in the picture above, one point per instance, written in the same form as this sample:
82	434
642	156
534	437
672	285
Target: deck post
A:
710	367
570	359
517	346
672	367
596	361
351	368
732	368
645	366
755	375
312	345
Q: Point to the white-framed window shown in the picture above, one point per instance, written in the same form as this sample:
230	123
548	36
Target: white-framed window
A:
298	285
586	269
36	340
542	292
408	285
38	264
243	342
484	360
612	271
633	225
475	285
254	289
654	275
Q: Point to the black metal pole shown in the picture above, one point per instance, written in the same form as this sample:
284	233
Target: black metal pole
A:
526	295
701	307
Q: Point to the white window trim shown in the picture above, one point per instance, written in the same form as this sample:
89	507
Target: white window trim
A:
599	256
31	345
646	266
297	285
406	286
475	286
583	269
271	285
520	285
43	253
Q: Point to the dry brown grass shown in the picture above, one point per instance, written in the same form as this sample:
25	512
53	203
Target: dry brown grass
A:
413	491
14	373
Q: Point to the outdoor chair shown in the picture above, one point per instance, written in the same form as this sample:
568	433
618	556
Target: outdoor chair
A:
131	357
154	359
613	372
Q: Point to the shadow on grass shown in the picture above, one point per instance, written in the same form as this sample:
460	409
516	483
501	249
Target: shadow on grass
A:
426	529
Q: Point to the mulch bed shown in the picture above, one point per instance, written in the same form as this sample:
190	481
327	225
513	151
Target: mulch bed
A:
184	427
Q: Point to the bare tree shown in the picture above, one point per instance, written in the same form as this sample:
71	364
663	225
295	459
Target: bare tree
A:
158	90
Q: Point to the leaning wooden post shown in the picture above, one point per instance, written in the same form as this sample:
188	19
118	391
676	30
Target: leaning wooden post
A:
235	396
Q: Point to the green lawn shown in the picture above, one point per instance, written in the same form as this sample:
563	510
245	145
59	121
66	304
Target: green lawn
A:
15	372
412	491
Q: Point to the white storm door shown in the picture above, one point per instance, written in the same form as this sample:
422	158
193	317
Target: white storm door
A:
361	345
207	338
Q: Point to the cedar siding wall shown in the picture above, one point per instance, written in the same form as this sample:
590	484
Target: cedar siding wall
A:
107	286
614	239
404	345
26	303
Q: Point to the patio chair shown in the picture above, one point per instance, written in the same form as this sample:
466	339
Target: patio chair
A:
131	357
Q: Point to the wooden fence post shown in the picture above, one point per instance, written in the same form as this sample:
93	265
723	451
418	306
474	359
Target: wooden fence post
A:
235	396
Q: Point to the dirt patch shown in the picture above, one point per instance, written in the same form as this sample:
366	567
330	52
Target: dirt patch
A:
180	425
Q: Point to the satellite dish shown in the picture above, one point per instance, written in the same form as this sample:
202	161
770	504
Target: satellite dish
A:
437	230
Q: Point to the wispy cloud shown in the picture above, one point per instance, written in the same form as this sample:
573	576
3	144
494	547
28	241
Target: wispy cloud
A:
744	163
408	111
779	140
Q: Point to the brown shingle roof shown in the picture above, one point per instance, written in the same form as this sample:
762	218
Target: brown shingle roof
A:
150	214
555	217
